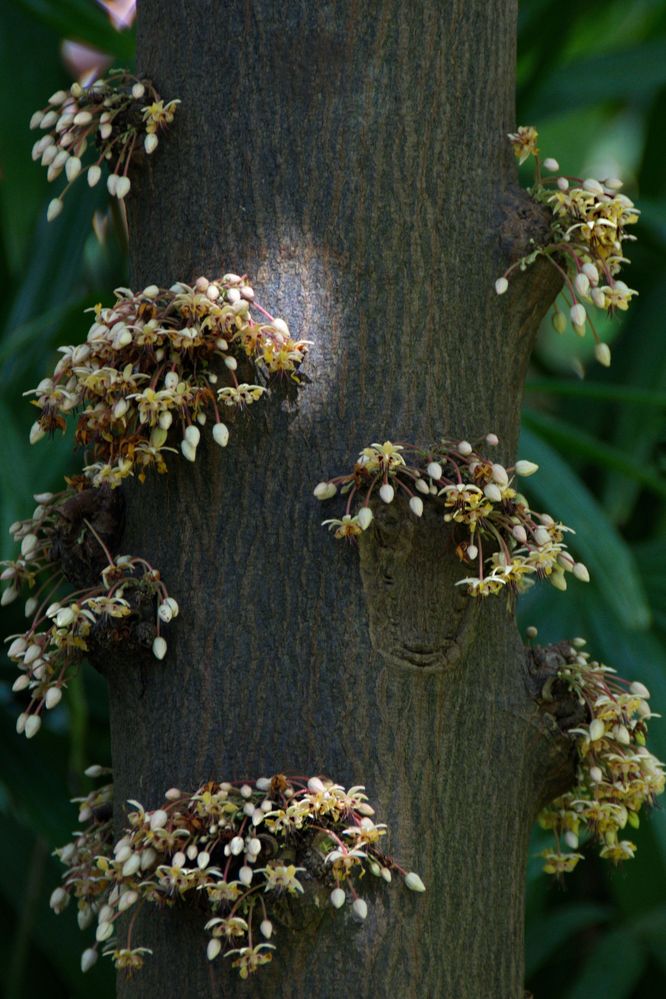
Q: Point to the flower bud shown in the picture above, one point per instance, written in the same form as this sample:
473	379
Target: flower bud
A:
603	354
578	314
337	898
580	572
159	819
54	209
541	536
266	928
123	185
526	468
559	322
33	724
582	283
416	506
150	143
501	285
434	470
551	164
413	882
591	273
188	450
221	434
472	552
72	168
465	447
387	492
640	690
94	174
364	517
213	949
324	490
88	959
493	492
492	440
53	697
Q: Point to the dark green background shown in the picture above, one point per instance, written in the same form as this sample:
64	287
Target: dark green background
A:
592	78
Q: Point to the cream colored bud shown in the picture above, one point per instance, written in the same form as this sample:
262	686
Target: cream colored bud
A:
88	959
557	579
159	647
434	470
590	184
33	724
500	475
53	697
501	285
20	683
577	314
582	283
188	450
493	492
364	517
54	209
221	434
8	596
94	770
413	882
541	536
165	420
83	118
138	90
325	490
563	183
571	840
526	468
472	552
49	119
158	819
581	573
193	435
416	506
614	183
111	183
28	545
337	898
150	143
591	273
36	119
103	932
492	439
597	730
120	409
127	900
422	486
132	865
94	174
123	185
72	168
387	492
173	604
360	909
213	949
603	354
164	612
231	363
465	448
551	164
640	690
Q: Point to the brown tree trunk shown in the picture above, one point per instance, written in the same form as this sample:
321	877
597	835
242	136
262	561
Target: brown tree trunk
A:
352	159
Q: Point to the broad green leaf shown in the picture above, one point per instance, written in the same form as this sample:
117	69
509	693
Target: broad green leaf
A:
82	21
612	969
579	443
556	927
610	561
604	392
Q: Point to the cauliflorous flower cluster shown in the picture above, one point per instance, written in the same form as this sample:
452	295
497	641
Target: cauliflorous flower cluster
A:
239	848
589	225
158	357
64	627
498	533
616	773
116	118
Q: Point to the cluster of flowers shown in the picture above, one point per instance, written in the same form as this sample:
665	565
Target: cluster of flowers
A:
119	117
503	538
160	356
589	225
236	847
616	774
63	627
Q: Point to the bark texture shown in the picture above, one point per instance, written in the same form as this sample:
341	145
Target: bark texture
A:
352	159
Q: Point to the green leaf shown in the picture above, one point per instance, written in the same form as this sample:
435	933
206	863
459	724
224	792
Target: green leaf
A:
82	21
577	442
612	969
609	559
605	392
555	928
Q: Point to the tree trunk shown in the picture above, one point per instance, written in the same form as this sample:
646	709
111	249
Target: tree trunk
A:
352	159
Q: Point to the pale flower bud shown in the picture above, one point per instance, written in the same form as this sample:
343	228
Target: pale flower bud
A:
519	533
591	273
551	164
337	898
150	143
53	697
122	187
73	168
213	949
580	572
422	486
500	475
94	174
472	552
501	285
559	322
541	536
164	612
413	882
188	450
193	435
364	517
492	439
582	283
640	690
387	492
493	492
32	726
221	434
434	470
578	314
360	909
325	490
603	354
266	928
465	447
416	506
59	899
21	682
138	90
88	959
526	468
557	579
159	819
94	770
54	209
159	647
111	183
563	183
597	730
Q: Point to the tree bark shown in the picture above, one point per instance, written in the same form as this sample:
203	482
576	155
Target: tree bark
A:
352	159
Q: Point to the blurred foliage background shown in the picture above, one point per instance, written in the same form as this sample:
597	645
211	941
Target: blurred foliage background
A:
592	77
